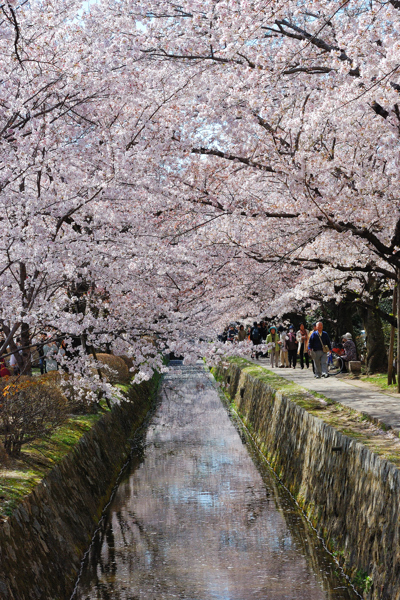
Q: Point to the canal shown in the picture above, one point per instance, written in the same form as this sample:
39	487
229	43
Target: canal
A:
197	516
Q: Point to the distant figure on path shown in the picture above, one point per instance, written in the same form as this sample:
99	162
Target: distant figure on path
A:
50	352
231	333
283	337
242	334
255	337
273	346
302	339
292	347
4	372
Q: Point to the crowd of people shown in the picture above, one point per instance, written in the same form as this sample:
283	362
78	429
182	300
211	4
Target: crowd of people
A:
285	346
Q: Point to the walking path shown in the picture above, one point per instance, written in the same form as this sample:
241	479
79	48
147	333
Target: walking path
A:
355	394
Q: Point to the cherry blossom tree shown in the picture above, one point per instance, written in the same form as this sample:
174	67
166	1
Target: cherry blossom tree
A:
166	168
305	103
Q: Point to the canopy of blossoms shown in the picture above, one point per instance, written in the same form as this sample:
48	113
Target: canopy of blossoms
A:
167	168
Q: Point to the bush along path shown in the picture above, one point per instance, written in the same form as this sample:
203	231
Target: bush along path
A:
19	476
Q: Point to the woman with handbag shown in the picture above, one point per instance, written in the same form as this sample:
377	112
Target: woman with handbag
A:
302	339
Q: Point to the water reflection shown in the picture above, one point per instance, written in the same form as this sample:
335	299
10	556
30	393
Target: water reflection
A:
195	519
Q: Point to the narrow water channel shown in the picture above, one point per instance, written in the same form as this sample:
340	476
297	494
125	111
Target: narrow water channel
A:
196	518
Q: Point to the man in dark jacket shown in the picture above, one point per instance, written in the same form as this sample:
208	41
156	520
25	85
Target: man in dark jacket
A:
320	344
255	336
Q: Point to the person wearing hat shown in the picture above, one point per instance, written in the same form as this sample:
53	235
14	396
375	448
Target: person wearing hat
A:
350	350
232	332
273	345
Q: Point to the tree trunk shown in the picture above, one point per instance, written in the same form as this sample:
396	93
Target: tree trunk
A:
398	331
391	373
26	368
377	360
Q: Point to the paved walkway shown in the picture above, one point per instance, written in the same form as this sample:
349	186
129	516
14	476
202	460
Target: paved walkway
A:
381	406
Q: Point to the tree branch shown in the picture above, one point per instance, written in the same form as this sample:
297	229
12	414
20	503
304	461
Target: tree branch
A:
232	157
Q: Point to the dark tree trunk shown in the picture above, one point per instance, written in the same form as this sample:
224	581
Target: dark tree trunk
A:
26	368
376	360
391	371
344	323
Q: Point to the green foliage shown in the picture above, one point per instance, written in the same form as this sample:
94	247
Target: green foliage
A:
380	380
362	581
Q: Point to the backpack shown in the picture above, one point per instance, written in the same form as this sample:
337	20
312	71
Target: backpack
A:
255	335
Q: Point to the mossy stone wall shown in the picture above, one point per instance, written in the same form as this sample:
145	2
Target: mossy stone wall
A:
43	541
350	494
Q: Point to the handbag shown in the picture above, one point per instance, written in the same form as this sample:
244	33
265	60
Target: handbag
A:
325	348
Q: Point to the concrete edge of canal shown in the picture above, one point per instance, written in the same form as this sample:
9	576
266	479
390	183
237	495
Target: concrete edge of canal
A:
350	495
43	541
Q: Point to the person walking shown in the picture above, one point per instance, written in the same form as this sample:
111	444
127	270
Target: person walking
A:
273	346
232	332
319	344
282	343
302	340
314	326
242	334
4	372
50	350
42	360
292	347
13	359
255	337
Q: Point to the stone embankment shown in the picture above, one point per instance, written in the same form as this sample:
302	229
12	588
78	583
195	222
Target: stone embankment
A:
349	494
43	541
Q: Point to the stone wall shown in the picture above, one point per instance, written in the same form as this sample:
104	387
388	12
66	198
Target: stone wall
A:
43	541
350	495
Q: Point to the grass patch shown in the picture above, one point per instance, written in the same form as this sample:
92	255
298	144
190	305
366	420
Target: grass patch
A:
124	387
380	381
355	425
20	476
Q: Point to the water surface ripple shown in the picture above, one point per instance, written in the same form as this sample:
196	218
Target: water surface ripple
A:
195	518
